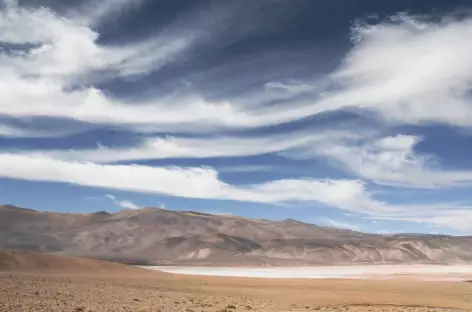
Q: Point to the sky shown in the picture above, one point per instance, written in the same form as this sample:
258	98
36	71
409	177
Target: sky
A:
351	114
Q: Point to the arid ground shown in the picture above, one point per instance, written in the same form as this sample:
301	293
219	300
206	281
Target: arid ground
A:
36	283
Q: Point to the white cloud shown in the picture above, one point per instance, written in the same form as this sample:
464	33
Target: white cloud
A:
122	203
14	131
252	169
389	160
60	46
393	161
410	70
452	217
459	220
201	183
65	52
173	147
292	87
65	48
407	70
35	82
91	105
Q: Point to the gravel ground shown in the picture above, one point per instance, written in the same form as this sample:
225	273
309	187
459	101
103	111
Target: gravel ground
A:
48	293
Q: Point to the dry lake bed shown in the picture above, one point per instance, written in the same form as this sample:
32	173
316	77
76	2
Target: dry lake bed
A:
421	272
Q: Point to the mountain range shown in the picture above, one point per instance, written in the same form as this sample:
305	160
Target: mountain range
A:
155	236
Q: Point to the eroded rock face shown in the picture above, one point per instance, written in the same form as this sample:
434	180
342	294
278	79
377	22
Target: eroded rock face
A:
158	236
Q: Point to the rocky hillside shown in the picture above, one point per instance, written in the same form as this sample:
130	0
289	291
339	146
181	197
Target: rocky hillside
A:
157	236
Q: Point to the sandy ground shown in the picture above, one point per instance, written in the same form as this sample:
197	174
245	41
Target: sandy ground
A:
48	283
418	272
144	291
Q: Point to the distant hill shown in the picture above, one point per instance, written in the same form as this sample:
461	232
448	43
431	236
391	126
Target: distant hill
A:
157	236
12	261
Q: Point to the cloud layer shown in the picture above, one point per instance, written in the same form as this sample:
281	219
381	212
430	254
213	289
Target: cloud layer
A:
401	71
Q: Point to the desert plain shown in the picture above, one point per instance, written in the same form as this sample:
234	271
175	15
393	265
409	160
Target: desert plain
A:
32	282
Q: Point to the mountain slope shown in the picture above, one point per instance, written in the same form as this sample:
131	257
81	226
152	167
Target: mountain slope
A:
11	261
160	236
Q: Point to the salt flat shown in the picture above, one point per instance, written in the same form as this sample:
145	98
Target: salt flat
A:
422	272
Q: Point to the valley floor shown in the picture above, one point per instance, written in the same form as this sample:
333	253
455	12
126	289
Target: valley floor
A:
147	291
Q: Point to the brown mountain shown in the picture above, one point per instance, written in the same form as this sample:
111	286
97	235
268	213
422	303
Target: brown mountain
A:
157	236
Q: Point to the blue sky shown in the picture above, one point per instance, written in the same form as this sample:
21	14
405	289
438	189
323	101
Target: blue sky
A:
353	114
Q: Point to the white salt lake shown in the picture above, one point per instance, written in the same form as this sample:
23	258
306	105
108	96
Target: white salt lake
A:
422	272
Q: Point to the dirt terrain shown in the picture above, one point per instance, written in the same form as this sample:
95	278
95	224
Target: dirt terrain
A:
115	287
16	261
164	237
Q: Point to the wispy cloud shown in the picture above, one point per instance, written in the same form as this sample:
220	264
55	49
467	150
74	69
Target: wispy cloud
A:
199	182
122	203
390	160
448	217
405	70
98	12
65	53
175	147
292	87
409	70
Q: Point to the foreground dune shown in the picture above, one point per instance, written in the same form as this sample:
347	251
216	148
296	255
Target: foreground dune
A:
48	283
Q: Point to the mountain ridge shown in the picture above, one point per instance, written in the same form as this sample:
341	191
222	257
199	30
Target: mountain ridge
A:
159	236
